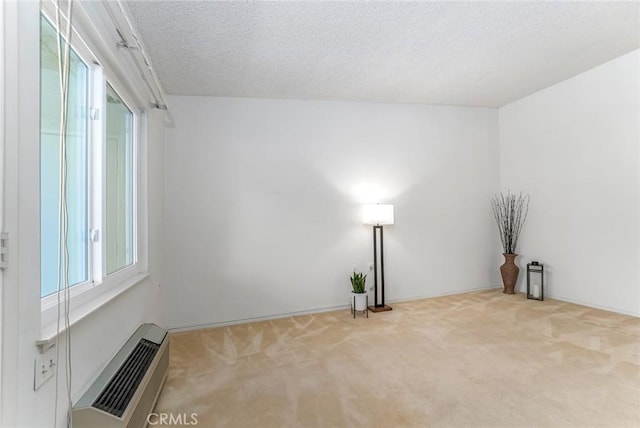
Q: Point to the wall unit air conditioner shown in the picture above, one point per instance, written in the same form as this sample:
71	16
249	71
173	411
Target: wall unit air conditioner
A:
127	389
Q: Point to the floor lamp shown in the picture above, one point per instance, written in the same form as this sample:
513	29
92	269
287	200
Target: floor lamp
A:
378	215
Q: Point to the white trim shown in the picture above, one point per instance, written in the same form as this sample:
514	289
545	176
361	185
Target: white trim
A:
84	309
87	297
446	293
21	292
258	318
138	241
346	307
51	300
2	107
318	310
591	305
142	194
97	126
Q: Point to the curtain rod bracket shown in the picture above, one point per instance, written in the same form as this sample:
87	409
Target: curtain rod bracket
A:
124	45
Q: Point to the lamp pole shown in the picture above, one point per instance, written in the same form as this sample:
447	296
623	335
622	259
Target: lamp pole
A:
378	215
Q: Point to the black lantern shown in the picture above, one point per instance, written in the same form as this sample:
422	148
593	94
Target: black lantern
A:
535	281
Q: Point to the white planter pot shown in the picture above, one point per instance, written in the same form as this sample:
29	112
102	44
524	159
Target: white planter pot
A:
359	301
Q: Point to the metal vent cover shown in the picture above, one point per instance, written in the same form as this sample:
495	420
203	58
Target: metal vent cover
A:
117	394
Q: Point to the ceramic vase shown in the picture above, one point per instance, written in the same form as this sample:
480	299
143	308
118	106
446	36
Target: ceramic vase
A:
359	301
509	271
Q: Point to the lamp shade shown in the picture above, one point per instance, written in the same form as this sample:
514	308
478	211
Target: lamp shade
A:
377	214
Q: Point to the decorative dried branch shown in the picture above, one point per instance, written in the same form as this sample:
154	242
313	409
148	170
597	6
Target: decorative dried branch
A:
510	212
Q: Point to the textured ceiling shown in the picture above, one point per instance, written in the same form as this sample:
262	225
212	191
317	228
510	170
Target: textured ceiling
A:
460	53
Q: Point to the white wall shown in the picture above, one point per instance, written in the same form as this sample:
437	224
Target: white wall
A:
98	337
263	203
574	147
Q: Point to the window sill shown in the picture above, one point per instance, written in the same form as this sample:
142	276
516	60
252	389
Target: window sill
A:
49	330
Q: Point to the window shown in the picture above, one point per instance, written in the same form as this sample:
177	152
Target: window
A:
101	181
77	163
119	182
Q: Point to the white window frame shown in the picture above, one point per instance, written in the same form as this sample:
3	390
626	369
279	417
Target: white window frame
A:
126	271
83	53
100	288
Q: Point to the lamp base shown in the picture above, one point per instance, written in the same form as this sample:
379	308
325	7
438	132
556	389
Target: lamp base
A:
380	308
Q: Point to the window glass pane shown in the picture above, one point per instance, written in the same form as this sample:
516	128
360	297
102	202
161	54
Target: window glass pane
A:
77	185
119	186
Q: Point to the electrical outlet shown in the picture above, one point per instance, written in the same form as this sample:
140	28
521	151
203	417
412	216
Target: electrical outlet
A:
370	265
45	367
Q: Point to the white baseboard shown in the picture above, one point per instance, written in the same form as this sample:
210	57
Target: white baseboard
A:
318	310
591	305
447	293
255	319
400	300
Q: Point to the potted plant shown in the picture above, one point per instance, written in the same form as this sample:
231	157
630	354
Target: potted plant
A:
358	291
510	212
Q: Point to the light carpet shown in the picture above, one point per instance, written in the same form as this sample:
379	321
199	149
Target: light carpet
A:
482	359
